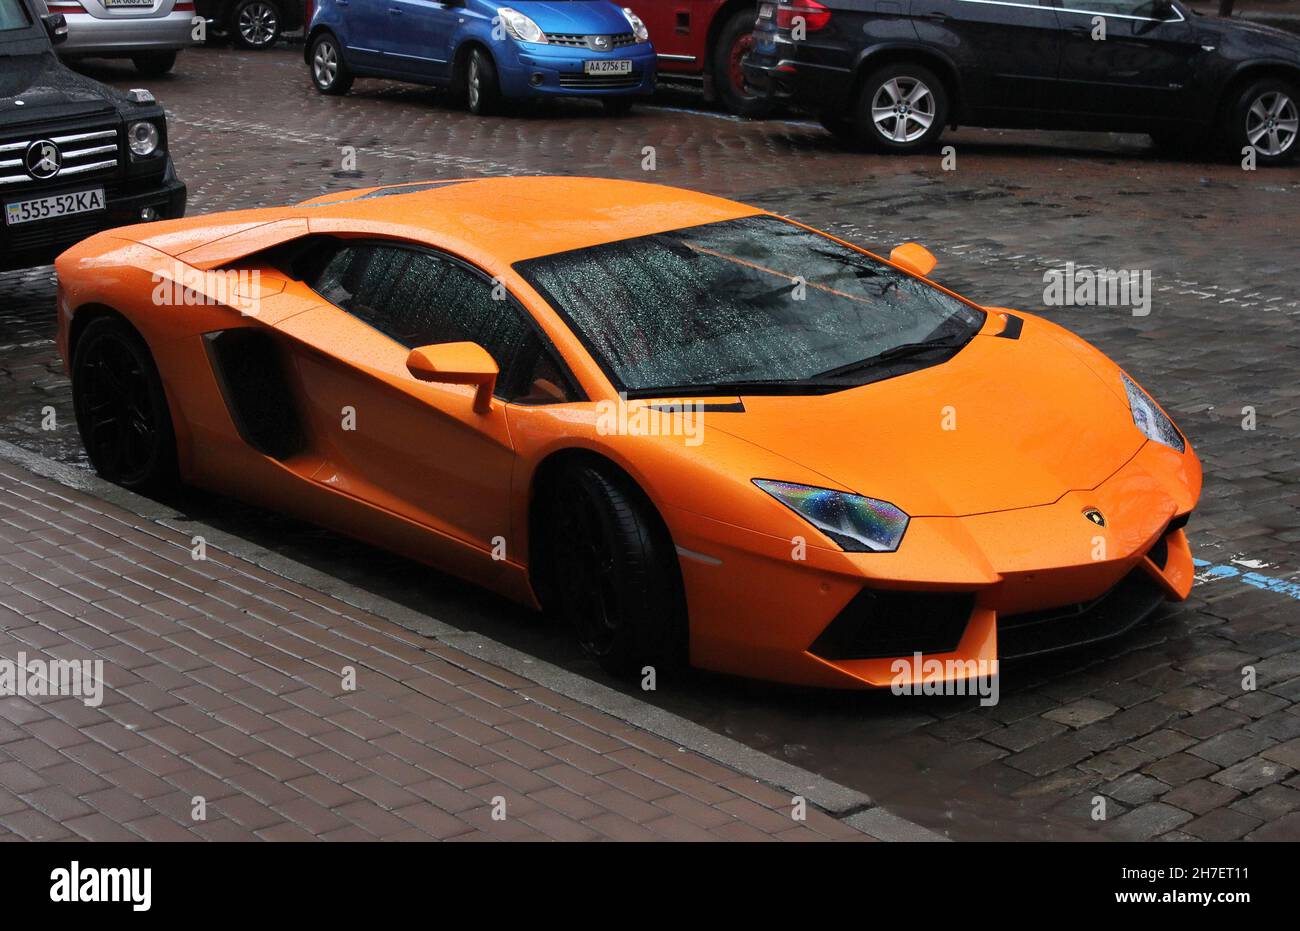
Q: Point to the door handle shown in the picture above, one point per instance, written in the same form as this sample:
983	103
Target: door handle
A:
395	10
936	16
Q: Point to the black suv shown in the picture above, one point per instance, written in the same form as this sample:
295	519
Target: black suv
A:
76	157
890	74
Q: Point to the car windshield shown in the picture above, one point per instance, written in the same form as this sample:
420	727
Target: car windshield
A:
12	15
757	303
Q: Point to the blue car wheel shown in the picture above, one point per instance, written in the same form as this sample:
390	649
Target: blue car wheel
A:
482	92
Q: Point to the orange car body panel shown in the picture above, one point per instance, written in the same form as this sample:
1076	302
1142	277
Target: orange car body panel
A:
994	454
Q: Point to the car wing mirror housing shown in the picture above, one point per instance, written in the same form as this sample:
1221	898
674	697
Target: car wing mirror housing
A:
915	258
457	364
56	27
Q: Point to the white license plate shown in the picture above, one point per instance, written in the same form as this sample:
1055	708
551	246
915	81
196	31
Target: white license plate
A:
766	10
607	67
117	4
56	205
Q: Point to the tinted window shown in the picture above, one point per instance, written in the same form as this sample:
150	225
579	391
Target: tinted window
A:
1142	8
420	299
12	15
756	299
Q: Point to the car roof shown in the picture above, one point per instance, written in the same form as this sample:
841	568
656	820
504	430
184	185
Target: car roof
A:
522	217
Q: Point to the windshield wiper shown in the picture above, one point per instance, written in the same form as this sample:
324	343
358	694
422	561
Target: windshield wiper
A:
893	354
756	386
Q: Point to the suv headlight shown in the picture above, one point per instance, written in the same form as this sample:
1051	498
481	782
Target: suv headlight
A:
520	26
639	30
1150	419
142	136
858	524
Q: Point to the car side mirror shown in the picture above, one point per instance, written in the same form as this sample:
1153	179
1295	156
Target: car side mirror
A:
56	27
457	364
914	257
1162	9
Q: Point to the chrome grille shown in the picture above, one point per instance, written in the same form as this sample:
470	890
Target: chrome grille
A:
600	81
573	40
83	153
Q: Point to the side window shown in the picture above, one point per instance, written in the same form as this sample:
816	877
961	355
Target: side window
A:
539	378
420	299
1145	9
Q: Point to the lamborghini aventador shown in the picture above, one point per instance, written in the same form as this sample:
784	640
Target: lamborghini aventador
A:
699	432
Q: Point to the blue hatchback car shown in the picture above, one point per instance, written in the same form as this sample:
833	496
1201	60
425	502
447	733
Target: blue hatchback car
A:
485	51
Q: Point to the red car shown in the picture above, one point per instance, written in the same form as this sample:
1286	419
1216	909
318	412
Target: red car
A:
705	39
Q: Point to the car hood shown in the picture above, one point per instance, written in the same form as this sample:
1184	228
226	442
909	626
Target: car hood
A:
48	88
1250	35
583	17
1005	423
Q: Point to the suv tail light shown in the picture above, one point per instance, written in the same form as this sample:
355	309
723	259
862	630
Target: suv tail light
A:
814	15
183	6
66	7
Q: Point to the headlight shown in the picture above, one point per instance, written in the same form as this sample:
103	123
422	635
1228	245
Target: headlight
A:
520	26
143	137
1150	419
857	524
639	31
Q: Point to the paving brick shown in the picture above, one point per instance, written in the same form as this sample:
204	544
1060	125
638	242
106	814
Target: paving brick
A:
1082	712
1148	821
1270	802
1135	789
1200	796
1252	774
1221	825
1179	768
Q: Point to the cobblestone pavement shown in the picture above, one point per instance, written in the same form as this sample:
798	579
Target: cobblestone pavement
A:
224	682
1157	723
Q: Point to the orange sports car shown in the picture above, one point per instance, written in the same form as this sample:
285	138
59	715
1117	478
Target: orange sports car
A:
700	432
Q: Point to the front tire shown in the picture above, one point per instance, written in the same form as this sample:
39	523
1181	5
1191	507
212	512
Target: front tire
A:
735	42
154	64
255	24
482	91
612	571
1267	117
901	108
121	408
329	72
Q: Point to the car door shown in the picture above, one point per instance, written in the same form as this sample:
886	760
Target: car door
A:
365	25
419	37
1007	53
678	29
413	448
1141	68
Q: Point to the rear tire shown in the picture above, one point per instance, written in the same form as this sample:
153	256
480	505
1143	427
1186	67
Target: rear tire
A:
1266	116
154	64
482	91
121	407
901	108
612	572
735	40
256	24
329	72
